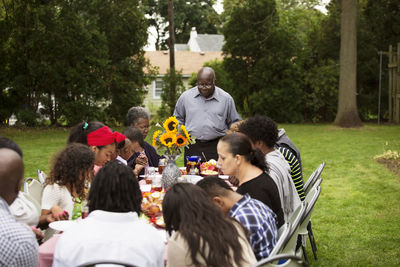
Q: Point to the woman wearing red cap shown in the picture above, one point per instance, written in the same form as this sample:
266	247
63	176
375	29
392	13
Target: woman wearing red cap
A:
101	140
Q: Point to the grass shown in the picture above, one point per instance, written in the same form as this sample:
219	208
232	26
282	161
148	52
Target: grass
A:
356	220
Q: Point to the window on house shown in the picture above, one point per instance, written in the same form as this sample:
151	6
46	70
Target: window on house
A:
158	89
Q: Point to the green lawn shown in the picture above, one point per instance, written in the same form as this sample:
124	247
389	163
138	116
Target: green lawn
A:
356	221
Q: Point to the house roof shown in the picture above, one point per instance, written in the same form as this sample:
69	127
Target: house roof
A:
187	61
210	42
181	47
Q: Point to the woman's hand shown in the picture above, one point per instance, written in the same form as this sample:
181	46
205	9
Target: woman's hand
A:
59	214
54	214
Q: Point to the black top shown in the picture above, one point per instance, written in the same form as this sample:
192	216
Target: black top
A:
264	189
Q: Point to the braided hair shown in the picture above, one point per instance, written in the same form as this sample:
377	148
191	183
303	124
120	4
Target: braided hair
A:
115	189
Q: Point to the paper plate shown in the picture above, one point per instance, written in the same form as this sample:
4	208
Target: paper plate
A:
62	225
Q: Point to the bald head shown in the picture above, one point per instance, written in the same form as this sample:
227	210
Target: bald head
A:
206	81
11	174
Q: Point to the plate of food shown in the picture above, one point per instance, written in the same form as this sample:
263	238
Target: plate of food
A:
152	208
61	225
209	168
191	178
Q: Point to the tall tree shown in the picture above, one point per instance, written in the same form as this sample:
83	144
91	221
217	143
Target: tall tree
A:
81	60
347	114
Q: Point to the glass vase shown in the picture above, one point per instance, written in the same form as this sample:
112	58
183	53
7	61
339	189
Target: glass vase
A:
171	172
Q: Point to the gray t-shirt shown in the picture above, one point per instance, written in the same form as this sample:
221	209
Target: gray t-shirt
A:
206	119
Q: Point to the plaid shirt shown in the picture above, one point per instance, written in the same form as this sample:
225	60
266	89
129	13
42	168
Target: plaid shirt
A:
260	220
18	246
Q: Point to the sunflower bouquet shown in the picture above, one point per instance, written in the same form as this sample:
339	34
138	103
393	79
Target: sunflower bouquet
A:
171	137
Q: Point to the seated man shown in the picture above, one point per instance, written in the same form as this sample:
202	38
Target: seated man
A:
263	132
251	213
112	231
18	246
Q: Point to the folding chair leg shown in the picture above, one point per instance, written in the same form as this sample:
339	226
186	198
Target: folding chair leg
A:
305	255
312	240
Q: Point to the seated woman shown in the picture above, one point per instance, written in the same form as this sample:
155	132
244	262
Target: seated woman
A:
237	157
138	117
99	138
202	235
112	232
64	188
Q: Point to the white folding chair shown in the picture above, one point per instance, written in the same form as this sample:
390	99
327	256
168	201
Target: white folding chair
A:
283	234
290	245
33	188
310	199
313	177
291	261
41	176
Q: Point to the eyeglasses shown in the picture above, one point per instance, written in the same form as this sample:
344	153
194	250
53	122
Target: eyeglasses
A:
205	85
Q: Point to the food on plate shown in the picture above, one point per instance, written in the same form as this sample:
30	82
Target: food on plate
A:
160	222
209	165
209	173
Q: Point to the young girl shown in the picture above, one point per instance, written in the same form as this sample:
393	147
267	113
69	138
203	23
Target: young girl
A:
64	187
99	138
203	235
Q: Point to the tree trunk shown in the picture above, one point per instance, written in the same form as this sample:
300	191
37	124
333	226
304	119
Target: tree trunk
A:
347	115
172	92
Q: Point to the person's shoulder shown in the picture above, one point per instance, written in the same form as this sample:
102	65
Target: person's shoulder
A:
16	233
223	93
148	147
192	92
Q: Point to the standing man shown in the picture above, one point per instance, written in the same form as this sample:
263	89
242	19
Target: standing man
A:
18	246
207	112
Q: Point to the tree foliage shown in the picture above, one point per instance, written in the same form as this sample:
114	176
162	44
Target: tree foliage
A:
173	79
287	65
81	60
187	14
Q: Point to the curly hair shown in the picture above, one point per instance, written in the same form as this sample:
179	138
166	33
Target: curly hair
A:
80	131
134	114
188	210
71	166
115	189
260	128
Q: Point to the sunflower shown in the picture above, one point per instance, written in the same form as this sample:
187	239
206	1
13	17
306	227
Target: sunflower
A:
181	140
155	135
183	128
168	139
171	124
